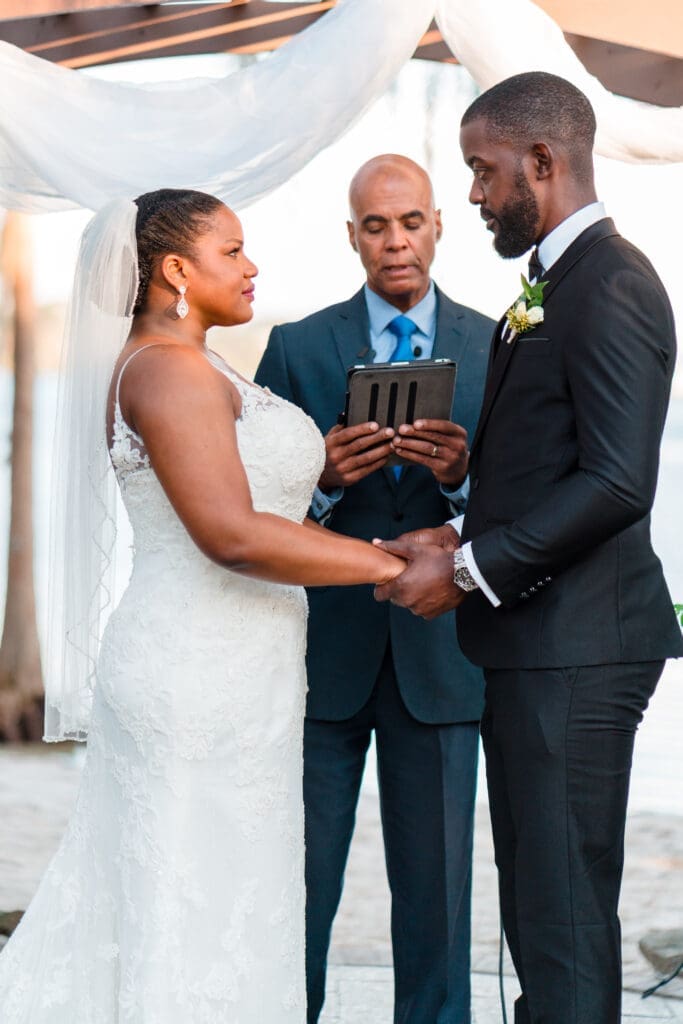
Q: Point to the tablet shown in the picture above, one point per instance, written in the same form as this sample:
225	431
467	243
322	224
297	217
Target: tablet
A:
394	393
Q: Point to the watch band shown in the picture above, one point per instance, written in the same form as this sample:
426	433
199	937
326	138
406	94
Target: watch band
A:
462	577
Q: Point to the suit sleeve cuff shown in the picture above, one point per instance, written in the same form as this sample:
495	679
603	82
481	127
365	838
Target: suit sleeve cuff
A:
322	504
477	576
458	498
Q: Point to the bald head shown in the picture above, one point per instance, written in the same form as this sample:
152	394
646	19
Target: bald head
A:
394	227
386	167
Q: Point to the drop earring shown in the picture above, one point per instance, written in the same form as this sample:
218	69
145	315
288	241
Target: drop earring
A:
182	308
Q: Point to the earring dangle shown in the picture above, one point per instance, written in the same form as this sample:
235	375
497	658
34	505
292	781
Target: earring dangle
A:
182	308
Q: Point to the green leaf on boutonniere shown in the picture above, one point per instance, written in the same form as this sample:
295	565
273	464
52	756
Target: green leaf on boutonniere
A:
527	312
533	293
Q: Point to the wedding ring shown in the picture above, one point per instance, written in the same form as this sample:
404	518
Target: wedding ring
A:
435	451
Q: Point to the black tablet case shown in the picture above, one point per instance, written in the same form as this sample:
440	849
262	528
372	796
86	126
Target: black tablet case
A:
396	393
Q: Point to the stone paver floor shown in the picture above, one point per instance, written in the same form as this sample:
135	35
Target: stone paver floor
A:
363	995
39	786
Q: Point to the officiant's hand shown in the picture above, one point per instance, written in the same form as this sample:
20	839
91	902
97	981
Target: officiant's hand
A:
353	453
426	587
439	445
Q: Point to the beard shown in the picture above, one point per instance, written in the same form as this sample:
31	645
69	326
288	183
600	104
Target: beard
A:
518	221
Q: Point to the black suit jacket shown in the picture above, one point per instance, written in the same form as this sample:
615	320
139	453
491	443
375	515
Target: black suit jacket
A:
564	468
306	362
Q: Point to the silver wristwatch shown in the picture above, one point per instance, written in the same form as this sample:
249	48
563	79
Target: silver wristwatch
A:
462	577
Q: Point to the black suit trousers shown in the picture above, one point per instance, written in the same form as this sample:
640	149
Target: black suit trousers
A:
559	745
427	781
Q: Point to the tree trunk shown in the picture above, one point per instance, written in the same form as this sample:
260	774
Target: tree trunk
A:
21	685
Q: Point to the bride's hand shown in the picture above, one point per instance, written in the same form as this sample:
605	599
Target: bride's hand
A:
393	568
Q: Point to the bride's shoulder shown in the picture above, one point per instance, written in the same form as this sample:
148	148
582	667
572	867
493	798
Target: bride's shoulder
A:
147	359
158	374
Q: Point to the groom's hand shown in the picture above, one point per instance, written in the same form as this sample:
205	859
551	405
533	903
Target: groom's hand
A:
442	536
426	587
439	445
352	453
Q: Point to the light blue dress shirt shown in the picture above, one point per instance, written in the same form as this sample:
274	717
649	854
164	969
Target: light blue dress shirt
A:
380	315
382	345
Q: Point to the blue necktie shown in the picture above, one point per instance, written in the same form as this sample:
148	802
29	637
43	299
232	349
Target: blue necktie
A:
404	328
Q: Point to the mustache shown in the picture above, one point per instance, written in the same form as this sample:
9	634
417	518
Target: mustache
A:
486	214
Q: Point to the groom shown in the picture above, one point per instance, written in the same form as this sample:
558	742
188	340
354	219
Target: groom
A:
560	596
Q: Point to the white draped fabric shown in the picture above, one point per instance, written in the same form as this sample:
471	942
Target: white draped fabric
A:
494	39
67	139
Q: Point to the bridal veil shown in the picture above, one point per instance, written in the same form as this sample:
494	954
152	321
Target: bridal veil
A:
83	512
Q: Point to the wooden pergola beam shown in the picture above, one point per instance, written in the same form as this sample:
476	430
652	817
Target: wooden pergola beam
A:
40	8
654	25
133	32
93	32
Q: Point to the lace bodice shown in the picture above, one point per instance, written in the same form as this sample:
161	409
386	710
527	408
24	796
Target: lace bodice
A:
280	446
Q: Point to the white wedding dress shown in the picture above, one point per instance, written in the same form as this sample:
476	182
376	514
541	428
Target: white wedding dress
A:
177	894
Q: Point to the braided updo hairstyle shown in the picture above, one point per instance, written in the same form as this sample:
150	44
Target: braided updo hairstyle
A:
168	220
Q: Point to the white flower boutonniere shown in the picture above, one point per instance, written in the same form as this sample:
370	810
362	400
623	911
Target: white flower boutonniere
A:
527	311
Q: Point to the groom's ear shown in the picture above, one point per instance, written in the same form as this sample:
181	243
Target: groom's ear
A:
352	235
543	160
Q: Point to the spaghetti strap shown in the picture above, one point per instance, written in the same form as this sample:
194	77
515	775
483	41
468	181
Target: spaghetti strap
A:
131	356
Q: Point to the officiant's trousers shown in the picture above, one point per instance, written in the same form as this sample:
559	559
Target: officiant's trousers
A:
558	747
427	781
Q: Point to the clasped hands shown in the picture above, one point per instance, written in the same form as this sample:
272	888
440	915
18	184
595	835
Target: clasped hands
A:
426	585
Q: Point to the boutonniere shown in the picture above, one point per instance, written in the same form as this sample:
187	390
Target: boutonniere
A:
527	311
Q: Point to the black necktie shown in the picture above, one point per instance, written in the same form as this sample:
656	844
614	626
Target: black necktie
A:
536	268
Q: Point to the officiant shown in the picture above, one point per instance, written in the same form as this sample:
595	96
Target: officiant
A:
376	668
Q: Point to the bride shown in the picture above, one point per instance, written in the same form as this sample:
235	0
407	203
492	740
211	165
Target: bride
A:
176	896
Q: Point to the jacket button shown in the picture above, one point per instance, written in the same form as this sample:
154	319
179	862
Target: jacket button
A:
398	516
524	595
548	579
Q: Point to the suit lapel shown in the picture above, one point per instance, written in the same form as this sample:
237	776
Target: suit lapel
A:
351	331
452	332
502	353
499	358
576	251
450	342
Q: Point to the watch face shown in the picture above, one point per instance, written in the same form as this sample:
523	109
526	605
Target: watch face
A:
464	580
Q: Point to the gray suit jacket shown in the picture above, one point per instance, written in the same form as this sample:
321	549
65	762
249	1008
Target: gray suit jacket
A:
306	363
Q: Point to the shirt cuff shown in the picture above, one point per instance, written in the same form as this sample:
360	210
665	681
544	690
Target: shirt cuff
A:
477	576
457	524
322	504
457	498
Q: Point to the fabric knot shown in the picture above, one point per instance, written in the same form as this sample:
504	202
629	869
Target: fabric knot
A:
536	268
404	328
